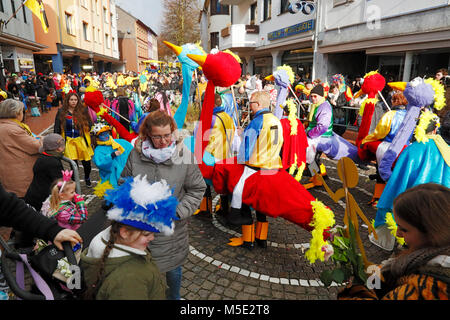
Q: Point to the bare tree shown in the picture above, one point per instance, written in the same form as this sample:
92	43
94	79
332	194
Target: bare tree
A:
179	24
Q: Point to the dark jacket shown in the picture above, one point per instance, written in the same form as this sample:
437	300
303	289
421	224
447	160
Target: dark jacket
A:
16	214
46	170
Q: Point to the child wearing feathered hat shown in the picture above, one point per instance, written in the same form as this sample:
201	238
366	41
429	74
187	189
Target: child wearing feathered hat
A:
117	264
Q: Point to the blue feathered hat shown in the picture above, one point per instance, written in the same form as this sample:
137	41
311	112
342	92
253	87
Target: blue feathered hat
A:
145	206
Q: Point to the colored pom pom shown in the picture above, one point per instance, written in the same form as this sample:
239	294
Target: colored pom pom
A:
93	99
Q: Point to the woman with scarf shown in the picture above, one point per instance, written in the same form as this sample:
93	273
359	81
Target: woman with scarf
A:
20	149
422	270
73	123
159	155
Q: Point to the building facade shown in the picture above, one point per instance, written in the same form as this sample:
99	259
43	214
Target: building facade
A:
137	42
401	39
17	40
82	37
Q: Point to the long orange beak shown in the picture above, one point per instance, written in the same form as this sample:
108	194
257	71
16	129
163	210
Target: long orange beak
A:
270	78
200	59
358	94
401	86
176	49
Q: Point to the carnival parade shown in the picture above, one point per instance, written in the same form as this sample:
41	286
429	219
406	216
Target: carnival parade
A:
185	164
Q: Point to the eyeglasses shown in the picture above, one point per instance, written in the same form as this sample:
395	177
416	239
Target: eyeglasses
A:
160	138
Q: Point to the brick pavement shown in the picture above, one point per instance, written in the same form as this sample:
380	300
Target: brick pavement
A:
216	271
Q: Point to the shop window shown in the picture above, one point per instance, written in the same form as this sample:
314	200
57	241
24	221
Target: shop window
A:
217	8
267	10
253	13
284	7
214	40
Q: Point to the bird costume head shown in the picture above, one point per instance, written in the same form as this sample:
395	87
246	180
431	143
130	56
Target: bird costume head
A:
187	67
283	77
222	69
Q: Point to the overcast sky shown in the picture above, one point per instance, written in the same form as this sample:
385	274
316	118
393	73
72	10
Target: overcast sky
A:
148	11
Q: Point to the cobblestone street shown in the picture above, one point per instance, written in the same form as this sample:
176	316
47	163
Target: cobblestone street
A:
217	271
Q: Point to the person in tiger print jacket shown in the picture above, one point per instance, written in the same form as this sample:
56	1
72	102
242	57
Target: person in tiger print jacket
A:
422	270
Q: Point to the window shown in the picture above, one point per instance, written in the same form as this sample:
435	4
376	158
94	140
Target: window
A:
253	13
24	14
267	10
214	40
99	36
69	23
85	31
284	6
83	3
105	14
1	6
94	34
107	41
13	7
217	8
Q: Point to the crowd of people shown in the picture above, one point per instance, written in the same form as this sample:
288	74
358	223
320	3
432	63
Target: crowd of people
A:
132	138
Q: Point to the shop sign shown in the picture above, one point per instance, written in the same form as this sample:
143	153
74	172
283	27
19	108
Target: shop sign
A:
289	31
260	62
26	63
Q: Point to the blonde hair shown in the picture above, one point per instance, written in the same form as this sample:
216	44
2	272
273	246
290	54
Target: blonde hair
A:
55	200
263	97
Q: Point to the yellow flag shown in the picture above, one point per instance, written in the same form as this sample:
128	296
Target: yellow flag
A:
37	7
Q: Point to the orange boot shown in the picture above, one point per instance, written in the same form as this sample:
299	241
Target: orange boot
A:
248	237
379	188
261	233
205	205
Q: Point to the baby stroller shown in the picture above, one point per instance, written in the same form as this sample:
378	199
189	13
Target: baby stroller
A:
49	283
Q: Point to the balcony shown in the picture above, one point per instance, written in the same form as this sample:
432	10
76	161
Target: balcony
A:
231	2
239	36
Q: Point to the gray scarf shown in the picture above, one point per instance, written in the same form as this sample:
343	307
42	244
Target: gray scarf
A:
410	263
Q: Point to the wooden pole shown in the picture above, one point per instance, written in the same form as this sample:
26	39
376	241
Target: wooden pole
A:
116	113
198	91
235	105
290	88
